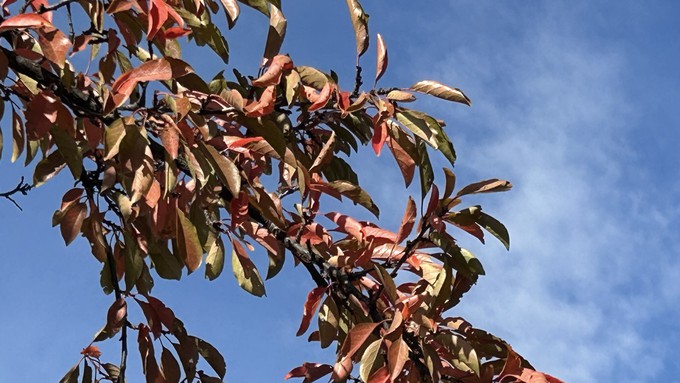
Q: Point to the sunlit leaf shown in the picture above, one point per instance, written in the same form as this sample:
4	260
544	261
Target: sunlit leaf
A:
312	302
381	64
441	91
371	361
497	229
189	246
360	23
245	271
277	32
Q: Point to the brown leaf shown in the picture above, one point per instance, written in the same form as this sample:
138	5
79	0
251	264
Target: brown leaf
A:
277	32
232	10
325	155
169	136
400	95
311	304
27	20
397	355
381	65
115	317
442	91
406	164
18	136
72	221
190	249
245	271
488	186
407	221
310	371
170	367
225	169
360	25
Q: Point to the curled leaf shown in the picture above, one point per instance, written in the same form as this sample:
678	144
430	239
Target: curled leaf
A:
382	59
312	302
360	25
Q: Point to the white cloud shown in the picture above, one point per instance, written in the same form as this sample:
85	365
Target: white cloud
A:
552	115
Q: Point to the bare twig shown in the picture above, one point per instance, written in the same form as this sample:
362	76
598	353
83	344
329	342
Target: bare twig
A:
21	187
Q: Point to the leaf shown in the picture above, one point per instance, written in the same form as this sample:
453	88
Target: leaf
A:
154	70
312	302
407	221
425	169
462	260
169	136
18	136
225	169
272	76
212	356
379	137
356	338
466	358
165	263
115	318
54	44
232	10
488	186
189	246
47	168
134	263
381	65
27	20
414	122
328	322
69	150
356	194
439	90
310	371
397	355
325	154
400	95
72	375
277	32
450	183
260	5
360	25
371	361
312	77
245	271
87	373
497	229
214	262
405	161
170	367
72	222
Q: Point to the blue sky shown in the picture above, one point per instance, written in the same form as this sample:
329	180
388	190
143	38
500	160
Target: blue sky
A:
574	102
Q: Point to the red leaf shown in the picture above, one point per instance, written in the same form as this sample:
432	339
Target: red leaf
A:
407	165
310	371
312	303
434	201
382	375
272	76
356	338
170	138
175	32
92	351
322	98
379	137
239	209
154	70
27	20
264	105
158	14
531	376
407	221
54	44
347	224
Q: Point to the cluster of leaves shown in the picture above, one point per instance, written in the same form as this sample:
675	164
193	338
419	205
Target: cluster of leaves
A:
163	179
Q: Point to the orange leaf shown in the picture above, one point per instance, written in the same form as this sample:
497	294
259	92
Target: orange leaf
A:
92	351
27	20
272	76
382	58
265	105
313	299
347	224
175	32
322	99
154	70
158	14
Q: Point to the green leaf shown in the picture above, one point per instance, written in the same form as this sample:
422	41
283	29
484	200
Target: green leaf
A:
212	356
496	228
260	5
415	122
134	263
372	360
465	356
424	168
165	263
356	194
312	77
328	322
245	271
113	135
214	263
460	259
225	169
48	167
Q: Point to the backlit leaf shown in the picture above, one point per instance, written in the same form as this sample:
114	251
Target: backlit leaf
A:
497	229
397	355
441	91
371	361
170	367
232	10
328	322
381	65
225	169
360	23
18	136
356	338
260	5
72	221
212	356
245	271
165	263
312	302
189	246
489	186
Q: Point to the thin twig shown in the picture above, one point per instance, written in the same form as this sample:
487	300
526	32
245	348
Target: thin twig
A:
21	187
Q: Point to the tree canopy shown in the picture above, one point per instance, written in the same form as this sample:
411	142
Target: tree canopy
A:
178	172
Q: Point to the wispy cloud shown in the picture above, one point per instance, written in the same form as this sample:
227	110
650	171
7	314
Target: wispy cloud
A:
552	114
